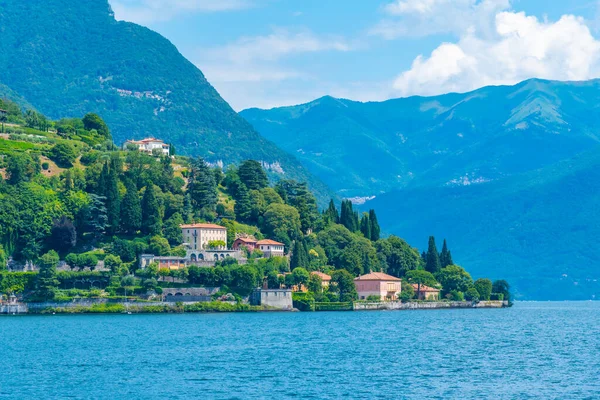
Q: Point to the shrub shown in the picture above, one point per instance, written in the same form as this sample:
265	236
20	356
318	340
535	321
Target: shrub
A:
303	301
456	295
45	166
497	296
63	155
472	294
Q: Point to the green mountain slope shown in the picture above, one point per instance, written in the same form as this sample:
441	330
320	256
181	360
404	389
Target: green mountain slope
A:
364	149
539	229
71	57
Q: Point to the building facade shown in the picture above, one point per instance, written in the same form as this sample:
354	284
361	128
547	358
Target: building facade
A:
200	258
271	248
198	236
378	284
248	243
149	145
274	298
325	279
426	292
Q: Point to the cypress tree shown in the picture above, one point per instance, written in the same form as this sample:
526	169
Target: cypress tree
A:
445	256
243	204
365	226
348	217
253	175
131	209
151	218
299	256
113	200
432	264
375	229
332	215
202	187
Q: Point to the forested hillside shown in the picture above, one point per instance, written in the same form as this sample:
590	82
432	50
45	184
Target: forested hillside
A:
67	193
72	57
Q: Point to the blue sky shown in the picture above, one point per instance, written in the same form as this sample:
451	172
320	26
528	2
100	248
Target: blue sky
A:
267	53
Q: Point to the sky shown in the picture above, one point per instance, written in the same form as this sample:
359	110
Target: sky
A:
270	53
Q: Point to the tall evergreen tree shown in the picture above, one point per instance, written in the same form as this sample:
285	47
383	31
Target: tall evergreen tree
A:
347	217
432	264
47	283
299	256
243	204
202	187
332	215
365	226
253	175
131	209
113	199
151	217
375	229
445	256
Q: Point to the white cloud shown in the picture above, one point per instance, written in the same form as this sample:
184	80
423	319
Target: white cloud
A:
521	47
426	17
148	11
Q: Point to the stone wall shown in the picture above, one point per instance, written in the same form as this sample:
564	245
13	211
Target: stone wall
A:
396	305
10	309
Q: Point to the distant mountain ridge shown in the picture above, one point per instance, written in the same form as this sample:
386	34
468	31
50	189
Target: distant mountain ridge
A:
68	58
507	173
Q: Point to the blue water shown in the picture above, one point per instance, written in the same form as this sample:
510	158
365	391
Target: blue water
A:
533	350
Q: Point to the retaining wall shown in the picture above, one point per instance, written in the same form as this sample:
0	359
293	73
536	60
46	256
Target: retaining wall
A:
396	305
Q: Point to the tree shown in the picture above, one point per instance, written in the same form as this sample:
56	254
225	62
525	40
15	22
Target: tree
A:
201	186
63	235
217	244
20	167
47	283
108	186
243	204
420	277
173	229
502	286
113	262
454	277
301	276
87	260
348	217
331	215
282	223
63	155
472	295
484	288
408	292
299	256
445	256
299	196
131	209
397	256
151	212
365	226
3	258
252	174
315	284
432	264
159	246
272	280
375	229
343	282
93	121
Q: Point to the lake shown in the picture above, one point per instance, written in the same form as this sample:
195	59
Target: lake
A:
533	350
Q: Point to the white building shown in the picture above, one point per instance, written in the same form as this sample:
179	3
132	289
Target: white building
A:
198	236
271	248
148	145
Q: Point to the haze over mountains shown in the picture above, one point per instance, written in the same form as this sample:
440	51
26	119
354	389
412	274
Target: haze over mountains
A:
508	173
69	57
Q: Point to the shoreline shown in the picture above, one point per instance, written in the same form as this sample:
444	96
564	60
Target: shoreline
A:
103	307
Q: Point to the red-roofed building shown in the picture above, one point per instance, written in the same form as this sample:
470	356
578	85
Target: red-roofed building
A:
383	286
325	279
271	248
248	243
148	145
426	292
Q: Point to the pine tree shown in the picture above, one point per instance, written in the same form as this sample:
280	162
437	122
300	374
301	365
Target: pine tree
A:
113	200
202	187
365	226
432	264
243	204
375	229
131	209
151	218
253	175
445	256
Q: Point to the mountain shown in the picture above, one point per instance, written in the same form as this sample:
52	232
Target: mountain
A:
364	149
507	174
69	57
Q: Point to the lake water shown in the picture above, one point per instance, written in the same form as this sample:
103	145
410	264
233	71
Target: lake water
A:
533	350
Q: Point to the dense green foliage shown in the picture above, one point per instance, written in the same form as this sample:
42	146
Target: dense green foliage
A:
130	76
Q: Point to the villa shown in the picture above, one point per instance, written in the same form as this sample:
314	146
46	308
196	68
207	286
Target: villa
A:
271	248
426	292
247	242
148	145
383	286
325	279
200	236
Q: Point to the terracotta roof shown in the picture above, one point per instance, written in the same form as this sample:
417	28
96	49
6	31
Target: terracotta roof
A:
269	241
202	226
425	288
246	240
377	276
322	275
